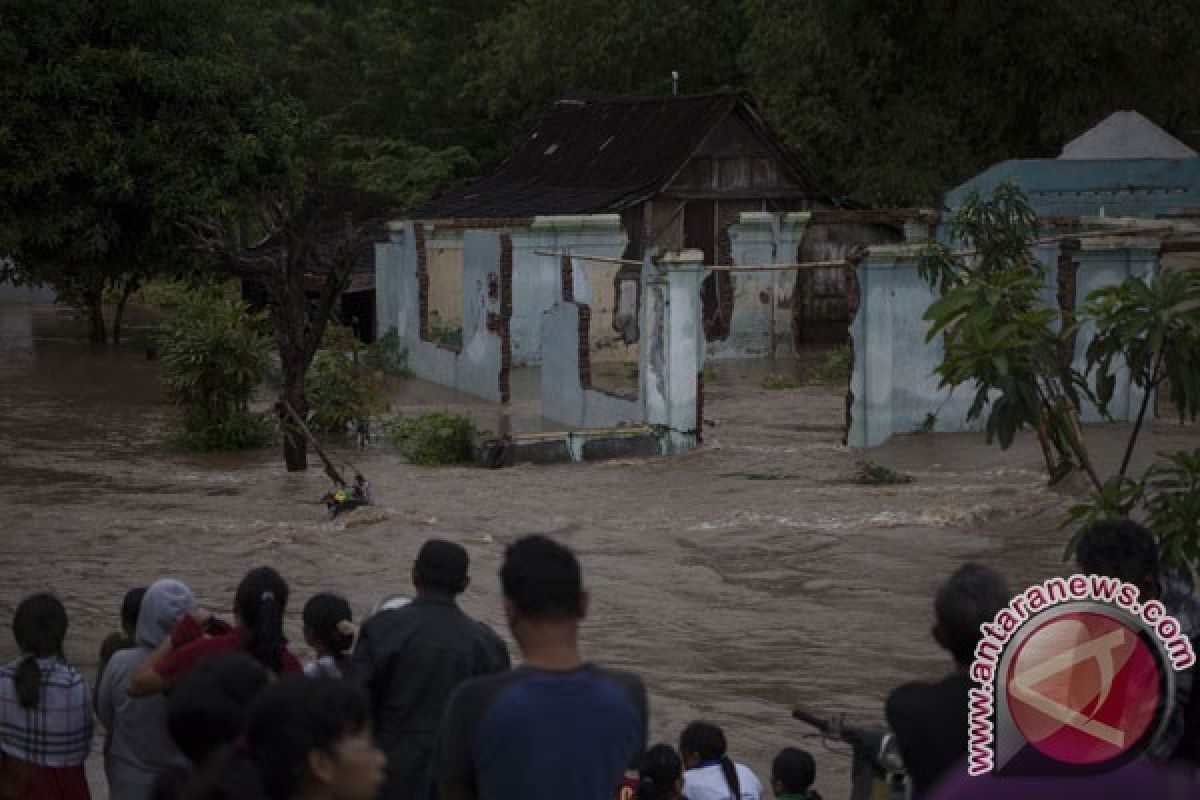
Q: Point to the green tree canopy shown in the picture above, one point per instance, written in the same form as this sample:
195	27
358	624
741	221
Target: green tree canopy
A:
894	103
121	119
537	51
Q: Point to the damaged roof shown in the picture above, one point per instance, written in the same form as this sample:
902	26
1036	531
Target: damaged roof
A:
601	155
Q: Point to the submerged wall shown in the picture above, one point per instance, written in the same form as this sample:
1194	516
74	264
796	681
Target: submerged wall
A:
568	393
894	388
538	279
477	367
562	292
762	321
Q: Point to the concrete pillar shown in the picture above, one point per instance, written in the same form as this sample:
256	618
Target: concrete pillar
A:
761	324
673	347
789	232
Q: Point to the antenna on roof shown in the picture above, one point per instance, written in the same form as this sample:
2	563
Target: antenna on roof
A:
674	82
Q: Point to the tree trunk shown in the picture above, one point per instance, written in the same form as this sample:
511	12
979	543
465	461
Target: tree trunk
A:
97	332
131	286
295	445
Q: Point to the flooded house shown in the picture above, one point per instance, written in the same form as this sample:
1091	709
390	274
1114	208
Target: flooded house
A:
602	184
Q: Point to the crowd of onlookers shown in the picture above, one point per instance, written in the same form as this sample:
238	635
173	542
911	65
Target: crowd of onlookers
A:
421	701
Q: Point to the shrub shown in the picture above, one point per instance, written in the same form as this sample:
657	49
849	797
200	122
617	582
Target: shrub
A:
342	386
434	439
834	369
164	293
777	381
214	356
240	430
387	355
444	334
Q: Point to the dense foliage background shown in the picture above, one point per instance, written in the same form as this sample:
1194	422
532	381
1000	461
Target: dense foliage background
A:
121	119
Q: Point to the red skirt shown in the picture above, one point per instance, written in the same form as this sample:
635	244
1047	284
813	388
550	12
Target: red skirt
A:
23	780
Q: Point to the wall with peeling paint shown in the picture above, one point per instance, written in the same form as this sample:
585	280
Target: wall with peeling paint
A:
568	395
761	323
538	279
506	281
475	368
893	385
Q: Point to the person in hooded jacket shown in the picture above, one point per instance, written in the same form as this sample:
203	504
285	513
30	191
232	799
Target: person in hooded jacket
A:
138	746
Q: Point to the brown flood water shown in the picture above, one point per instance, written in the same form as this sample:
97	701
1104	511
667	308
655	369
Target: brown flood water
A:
735	580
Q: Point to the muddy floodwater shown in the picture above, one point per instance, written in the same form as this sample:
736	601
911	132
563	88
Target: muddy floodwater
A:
736	580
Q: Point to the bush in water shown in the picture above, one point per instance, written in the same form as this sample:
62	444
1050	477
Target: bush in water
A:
434	439
214	356
343	386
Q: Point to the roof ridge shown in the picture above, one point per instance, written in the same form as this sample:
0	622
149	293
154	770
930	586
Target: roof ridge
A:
583	99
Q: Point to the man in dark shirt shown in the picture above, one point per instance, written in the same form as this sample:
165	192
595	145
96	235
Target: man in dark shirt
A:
556	728
410	659
930	719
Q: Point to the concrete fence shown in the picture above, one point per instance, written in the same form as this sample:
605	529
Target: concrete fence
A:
894	387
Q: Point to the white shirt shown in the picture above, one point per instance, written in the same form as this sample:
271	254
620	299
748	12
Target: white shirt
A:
708	783
325	666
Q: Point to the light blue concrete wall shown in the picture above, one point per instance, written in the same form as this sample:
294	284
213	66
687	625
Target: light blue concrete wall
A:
537	285
476	369
893	383
482	355
564	398
537	279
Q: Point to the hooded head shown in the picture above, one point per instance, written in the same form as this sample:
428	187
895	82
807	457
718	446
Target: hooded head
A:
166	601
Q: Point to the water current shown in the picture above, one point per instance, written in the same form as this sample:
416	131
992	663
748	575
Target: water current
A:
736	580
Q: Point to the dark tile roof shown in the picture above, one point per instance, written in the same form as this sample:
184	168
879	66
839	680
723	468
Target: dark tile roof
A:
592	156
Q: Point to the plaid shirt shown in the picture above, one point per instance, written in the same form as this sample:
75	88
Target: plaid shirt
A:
58	732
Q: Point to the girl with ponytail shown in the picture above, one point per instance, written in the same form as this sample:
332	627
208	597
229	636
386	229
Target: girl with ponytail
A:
711	774
305	738
660	776
45	710
328	629
258	608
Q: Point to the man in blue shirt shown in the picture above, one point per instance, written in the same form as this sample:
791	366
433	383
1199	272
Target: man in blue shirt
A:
557	727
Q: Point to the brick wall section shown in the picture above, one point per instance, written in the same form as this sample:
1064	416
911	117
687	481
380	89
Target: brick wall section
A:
568	280
422	281
506	307
1067	271
585	346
